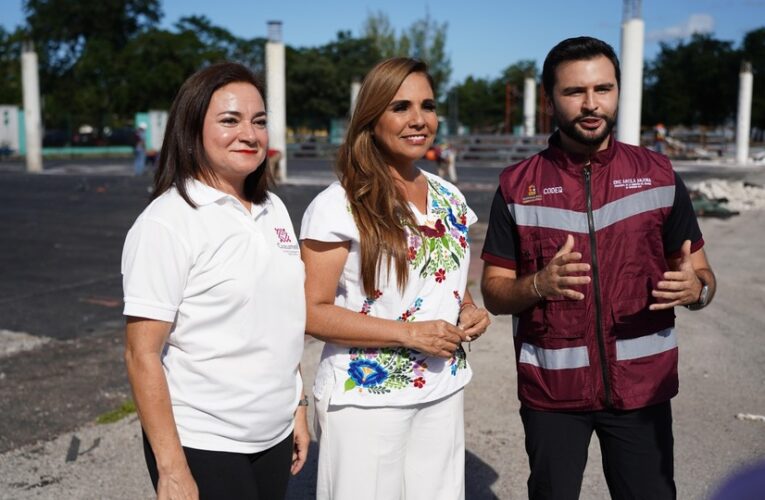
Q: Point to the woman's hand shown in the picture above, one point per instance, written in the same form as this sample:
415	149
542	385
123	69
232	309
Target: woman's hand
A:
301	439
177	485
473	320
144	342
435	338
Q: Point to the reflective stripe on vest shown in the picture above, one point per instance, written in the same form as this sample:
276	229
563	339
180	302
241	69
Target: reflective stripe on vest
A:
554	359
608	214
649	345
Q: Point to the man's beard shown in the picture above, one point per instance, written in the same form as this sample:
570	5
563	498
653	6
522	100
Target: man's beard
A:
569	128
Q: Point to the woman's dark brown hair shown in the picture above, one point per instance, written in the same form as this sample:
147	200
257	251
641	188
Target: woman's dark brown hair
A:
183	156
379	208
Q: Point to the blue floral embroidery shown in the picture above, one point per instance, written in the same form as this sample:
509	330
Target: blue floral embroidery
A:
367	373
439	248
379	371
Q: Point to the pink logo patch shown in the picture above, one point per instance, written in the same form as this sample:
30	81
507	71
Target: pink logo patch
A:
284	236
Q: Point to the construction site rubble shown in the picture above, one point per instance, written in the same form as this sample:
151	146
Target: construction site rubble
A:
722	198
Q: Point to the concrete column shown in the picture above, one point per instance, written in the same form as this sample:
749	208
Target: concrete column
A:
529	106
631	91
32	117
355	87
276	98
743	122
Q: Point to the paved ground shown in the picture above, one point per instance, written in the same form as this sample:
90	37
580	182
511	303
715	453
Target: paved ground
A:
61	344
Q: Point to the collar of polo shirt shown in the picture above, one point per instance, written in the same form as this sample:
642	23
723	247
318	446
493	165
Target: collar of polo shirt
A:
203	194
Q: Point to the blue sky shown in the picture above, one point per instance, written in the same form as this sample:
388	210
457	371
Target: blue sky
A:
484	37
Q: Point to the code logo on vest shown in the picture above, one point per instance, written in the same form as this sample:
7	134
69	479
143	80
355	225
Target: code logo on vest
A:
553	190
285	242
531	195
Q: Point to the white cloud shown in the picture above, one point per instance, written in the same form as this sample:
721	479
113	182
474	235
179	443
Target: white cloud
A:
696	23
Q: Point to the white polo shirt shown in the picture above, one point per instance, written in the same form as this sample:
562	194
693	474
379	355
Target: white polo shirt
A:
231	282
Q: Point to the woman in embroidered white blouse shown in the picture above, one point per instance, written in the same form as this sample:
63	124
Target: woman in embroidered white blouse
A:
386	253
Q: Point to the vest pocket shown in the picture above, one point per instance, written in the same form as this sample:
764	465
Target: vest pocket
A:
556	317
632	318
564	319
556	389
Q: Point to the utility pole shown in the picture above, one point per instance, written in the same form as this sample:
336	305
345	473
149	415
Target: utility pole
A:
32	117
744	121
277	101
529	106
631	91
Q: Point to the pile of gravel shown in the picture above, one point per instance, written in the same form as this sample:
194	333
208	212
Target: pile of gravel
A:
736	195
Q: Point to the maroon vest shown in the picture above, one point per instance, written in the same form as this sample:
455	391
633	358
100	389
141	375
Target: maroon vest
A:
608	350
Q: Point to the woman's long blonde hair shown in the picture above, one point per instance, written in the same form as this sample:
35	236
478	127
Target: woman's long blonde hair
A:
379	208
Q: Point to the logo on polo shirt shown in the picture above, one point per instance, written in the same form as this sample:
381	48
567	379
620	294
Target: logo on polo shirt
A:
285	241
531	194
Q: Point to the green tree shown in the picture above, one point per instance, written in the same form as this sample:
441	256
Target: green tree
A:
10	66
693	83
482	101
481	104
221	44
62	29
425	39
319	79
377	27
78	44
515	76
153	66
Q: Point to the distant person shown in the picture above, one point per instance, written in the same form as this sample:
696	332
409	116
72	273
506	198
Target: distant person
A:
660	138
139	162
274	161
214	301
591	244
387	252
447	162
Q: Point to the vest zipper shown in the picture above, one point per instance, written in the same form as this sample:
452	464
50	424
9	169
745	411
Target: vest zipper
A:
596	287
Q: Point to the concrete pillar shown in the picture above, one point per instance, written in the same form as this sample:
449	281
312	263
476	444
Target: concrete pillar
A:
156	133
631	90
529	106
32	117
743	122
9	129
276	98
355	87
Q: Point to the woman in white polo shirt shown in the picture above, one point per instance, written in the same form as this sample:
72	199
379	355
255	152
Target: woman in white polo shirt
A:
386	253
214	301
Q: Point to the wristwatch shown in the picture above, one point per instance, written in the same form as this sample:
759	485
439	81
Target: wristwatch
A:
703	299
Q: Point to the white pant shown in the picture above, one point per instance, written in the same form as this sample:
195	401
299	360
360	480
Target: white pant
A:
392	453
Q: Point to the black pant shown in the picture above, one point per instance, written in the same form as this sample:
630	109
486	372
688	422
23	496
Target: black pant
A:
222	475
637	449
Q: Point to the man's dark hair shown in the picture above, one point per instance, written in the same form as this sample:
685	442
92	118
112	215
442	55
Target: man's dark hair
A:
183	156
576	49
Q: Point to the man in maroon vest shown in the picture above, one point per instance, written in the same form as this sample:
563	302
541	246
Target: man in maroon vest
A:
591	244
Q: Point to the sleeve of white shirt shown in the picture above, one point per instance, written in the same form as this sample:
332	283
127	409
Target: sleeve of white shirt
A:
155	268
328	218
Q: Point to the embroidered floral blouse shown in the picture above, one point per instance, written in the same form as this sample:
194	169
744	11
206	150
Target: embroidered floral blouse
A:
439	255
